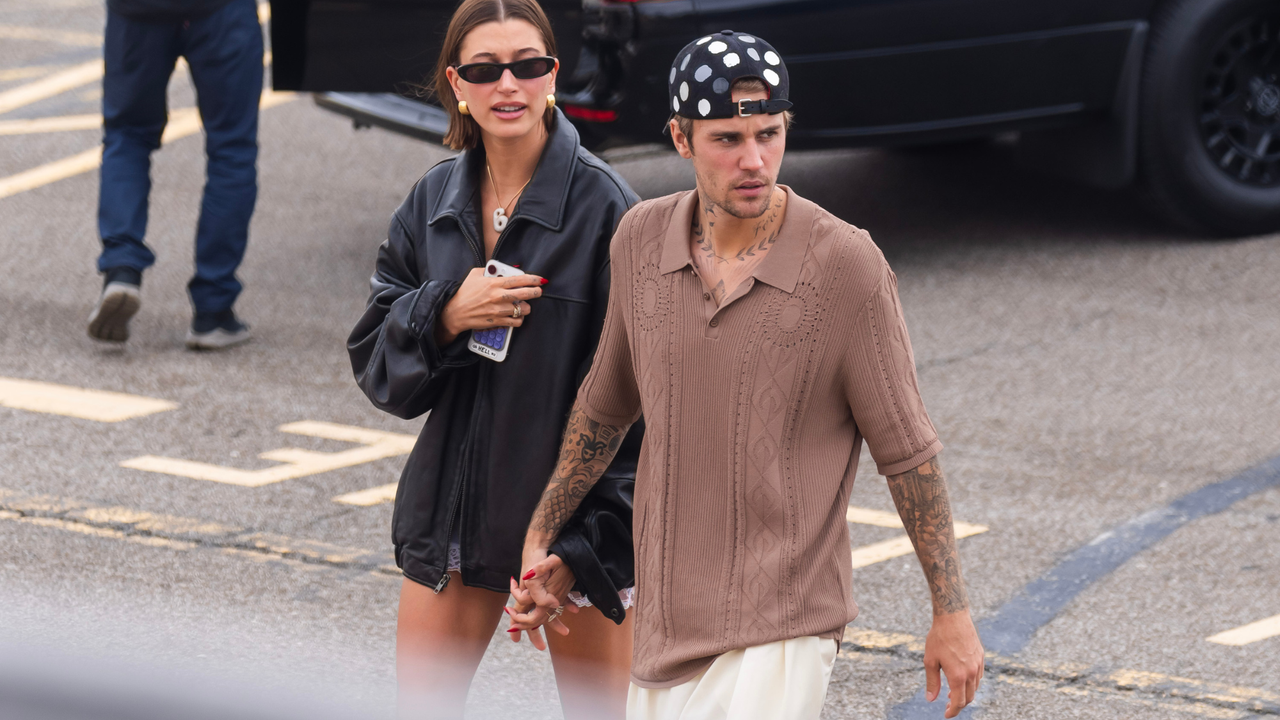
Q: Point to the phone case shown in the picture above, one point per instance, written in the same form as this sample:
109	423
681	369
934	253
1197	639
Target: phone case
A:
494	342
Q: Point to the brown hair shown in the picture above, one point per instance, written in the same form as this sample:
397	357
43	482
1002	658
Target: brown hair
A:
464	132
742	84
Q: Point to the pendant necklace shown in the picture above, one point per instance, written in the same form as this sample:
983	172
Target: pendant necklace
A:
500	214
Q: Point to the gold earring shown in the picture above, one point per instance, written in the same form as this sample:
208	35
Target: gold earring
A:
462	107
551	101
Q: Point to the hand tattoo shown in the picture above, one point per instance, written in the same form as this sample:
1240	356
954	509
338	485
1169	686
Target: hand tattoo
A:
925	509
585	454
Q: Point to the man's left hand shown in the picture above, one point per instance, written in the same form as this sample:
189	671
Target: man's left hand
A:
954	648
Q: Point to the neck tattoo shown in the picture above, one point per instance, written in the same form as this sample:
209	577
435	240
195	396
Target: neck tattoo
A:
716	268
500	214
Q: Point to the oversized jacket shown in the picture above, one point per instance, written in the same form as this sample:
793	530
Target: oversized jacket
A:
491	440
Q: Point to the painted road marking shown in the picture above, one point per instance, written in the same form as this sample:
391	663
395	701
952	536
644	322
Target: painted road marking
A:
1173	693
1167	692
1013	625
182	122
62	123
182	533
29	71
66	37
296	463
51	85
1251	633
100	405
894	547
372	496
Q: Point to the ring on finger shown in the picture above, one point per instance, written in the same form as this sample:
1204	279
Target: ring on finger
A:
555	615
516	312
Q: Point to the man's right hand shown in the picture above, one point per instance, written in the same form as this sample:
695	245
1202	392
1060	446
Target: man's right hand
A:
483	303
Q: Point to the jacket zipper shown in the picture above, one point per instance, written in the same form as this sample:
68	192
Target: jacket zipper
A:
466	443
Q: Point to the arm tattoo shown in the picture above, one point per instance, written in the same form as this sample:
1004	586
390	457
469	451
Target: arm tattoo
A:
585	454
921	497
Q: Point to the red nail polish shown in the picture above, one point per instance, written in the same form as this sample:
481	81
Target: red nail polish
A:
513	629
508	610
529	575
545	281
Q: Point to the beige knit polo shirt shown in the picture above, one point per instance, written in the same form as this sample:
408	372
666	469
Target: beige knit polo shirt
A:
755	413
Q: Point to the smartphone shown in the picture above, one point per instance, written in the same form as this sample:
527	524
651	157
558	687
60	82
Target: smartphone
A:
494	342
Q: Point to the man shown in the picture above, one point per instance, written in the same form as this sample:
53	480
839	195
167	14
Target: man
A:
222	43
764	341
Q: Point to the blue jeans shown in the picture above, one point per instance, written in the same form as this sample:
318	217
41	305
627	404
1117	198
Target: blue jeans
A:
224	52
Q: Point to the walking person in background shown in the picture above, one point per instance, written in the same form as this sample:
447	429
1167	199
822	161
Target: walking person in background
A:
222	43
523	192
763	338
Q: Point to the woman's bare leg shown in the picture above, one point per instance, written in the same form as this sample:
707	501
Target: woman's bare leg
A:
440	640
593	665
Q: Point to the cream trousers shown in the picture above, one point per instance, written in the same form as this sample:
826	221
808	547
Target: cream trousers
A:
783	680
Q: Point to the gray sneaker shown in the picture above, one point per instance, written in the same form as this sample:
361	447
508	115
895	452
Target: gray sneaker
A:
215	331
121	297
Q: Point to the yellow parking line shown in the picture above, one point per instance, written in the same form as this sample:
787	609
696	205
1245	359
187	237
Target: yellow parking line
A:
1200	697
51	85
1251	633
894	547
100	405
372	496
63	123
184	533
295	462
867	516
181	124
66	37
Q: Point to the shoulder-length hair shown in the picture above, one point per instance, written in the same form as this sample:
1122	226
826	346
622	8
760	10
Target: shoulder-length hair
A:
464	132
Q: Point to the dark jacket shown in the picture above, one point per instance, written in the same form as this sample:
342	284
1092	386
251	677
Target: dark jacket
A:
165	9
491	441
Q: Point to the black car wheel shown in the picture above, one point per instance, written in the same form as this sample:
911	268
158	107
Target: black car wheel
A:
1211	115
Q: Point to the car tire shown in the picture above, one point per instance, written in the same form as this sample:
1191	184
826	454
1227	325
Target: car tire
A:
1206	97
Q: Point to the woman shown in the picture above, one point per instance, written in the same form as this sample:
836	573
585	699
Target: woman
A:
523	192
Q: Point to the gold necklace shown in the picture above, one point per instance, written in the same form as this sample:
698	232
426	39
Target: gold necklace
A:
500	214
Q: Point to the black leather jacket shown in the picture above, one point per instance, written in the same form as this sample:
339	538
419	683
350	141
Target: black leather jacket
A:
491	441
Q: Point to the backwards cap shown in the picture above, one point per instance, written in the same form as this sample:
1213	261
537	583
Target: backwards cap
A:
705	69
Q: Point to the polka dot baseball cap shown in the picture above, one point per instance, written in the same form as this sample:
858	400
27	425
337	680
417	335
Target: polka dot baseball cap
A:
705	69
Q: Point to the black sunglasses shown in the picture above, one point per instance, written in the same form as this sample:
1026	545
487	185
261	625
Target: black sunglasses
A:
527	69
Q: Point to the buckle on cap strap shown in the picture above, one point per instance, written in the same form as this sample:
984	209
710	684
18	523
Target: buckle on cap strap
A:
747	108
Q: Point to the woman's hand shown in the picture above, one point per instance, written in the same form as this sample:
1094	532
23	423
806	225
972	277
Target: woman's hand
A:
483	303
544	587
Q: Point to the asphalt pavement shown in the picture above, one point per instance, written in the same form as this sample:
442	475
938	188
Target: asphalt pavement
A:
1086	367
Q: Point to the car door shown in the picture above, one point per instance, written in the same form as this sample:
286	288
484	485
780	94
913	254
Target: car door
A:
884	71
381	45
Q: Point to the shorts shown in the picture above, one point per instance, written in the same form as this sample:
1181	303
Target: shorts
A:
783	680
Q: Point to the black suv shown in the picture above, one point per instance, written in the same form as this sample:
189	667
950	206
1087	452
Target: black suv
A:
1181	96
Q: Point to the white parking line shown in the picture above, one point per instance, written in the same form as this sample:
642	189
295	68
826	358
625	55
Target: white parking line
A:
1251	633
63	123
296	462
51	85
100	405
66	37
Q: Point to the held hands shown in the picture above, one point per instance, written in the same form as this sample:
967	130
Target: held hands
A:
483	303
953	647
540	596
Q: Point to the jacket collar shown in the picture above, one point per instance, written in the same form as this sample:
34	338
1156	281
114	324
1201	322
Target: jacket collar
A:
543	201
780	268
